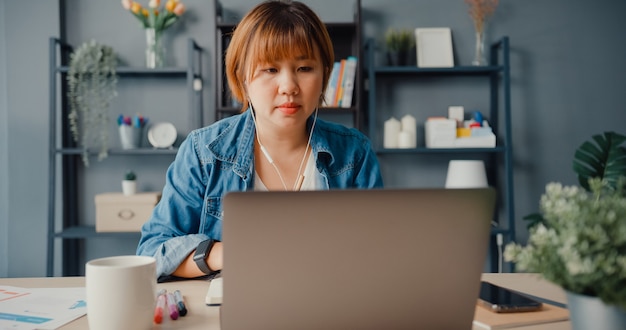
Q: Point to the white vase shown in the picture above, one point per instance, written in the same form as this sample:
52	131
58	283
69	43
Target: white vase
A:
480	57
588	312
155	50
129	187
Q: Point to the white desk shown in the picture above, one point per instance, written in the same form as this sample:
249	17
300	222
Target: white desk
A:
200	316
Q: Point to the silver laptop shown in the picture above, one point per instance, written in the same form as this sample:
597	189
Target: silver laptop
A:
354	259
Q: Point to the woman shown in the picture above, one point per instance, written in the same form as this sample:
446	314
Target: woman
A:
277	64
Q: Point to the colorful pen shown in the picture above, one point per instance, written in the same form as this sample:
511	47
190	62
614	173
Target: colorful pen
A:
171	304
182	310
158	311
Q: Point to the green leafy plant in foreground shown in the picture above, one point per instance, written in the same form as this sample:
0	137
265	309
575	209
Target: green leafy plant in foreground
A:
578	241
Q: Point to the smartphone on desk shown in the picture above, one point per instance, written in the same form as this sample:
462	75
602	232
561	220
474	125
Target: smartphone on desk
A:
501	300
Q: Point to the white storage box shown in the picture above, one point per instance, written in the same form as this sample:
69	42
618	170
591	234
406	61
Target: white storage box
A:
116	212
442	133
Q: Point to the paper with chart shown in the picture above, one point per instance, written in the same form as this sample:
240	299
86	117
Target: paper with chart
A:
40	308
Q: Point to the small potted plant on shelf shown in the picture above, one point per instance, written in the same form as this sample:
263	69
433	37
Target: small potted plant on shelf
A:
129	184
92	82
399	43
578	241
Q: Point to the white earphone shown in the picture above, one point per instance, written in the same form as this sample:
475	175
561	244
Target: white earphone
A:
269	158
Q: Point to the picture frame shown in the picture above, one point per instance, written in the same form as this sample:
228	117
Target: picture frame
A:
434	47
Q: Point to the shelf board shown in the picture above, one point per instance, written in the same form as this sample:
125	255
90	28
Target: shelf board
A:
89	232
424	150
496	231
329	25
325	110
125	152
337	110
457	70
142	72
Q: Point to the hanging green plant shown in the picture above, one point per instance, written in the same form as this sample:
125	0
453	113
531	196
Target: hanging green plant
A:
92	83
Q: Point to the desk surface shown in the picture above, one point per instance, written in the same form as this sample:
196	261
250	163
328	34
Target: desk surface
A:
200	316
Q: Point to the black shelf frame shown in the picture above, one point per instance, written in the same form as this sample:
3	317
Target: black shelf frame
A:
498	73
63	150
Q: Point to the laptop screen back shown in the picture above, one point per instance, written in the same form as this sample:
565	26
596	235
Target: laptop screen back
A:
354	259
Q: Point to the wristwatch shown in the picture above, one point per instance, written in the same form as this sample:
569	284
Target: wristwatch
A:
202	252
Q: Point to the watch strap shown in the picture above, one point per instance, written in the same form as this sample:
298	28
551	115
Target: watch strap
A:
202	252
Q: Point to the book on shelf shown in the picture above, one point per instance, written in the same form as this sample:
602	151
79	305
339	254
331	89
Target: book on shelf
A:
339	84
340	89
349	74
331	88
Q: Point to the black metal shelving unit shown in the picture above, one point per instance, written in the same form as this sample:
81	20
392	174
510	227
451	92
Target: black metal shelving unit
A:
498	74
63	152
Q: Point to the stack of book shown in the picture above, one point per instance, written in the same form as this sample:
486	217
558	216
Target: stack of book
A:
341	83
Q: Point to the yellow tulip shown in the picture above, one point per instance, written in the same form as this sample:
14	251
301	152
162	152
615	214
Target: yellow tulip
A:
169	5
153	15
135	7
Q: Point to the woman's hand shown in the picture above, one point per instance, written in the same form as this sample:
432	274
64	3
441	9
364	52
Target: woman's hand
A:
216	257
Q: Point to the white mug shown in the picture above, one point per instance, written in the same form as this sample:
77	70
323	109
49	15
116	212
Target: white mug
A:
121	292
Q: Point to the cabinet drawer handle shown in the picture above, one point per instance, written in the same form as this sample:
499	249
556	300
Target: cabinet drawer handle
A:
126	214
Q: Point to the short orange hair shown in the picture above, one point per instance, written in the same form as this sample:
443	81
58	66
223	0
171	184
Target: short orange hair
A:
271	31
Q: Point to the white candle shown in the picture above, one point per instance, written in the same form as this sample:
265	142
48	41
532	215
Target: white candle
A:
392	129
409	124
406	140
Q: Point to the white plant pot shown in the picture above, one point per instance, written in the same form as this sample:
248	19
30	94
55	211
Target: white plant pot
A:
592	313
129	187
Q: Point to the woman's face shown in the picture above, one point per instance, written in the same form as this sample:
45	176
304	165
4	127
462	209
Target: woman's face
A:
286	92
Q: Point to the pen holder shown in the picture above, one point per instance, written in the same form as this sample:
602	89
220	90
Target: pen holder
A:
130	136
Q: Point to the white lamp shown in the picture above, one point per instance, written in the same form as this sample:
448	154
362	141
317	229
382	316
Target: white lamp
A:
466	174
471	174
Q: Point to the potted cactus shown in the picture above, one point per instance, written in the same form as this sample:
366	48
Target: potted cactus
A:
129	184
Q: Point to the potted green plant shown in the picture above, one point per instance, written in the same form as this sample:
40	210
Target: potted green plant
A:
578	241
92	83
399	42
129	184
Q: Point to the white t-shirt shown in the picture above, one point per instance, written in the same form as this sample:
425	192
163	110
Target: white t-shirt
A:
310	177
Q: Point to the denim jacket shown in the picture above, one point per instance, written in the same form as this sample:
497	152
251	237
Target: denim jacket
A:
218	159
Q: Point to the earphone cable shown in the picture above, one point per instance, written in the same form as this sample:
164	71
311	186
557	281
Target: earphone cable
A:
298	183
300	177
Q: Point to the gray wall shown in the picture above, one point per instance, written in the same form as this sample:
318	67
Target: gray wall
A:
568	72
24	157
4	162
